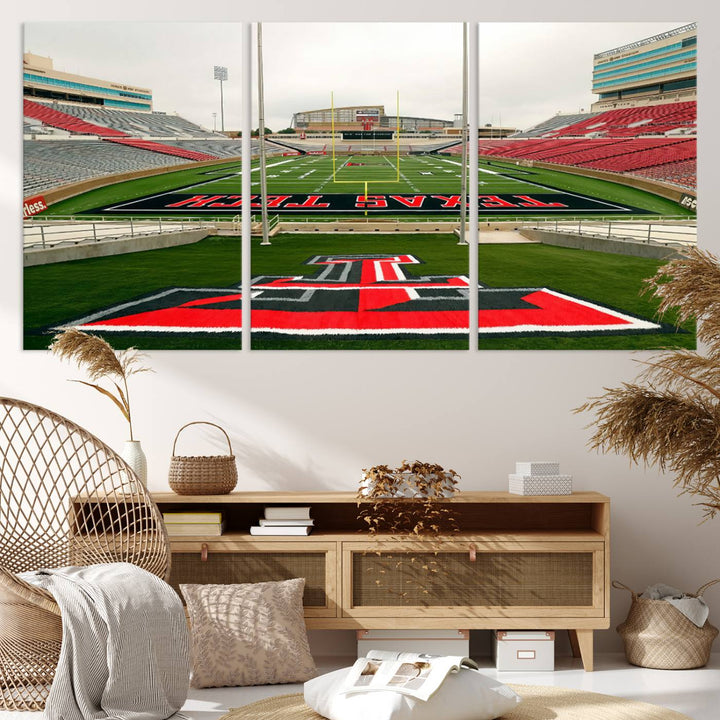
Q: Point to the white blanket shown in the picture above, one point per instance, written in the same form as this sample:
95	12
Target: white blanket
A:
693	608
125	644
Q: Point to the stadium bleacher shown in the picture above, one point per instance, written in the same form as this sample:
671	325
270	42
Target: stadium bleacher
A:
163	148
633	121
156	125
656	141
557	122
49	164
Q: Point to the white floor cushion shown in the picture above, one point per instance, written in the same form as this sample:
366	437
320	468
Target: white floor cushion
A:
466	695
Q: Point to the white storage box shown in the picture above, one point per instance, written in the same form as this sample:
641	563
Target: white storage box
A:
540	484
430	642
537	467
524	650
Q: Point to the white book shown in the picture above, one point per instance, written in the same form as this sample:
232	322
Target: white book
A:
192	517
276	530
289	512
285	523
199	529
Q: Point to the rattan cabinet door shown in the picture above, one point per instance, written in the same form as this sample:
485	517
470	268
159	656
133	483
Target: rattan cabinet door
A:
231	562
473	579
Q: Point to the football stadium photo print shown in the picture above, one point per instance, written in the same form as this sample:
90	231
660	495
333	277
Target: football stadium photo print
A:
364	158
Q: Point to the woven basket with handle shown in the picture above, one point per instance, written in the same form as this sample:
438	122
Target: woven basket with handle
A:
658	635
202	474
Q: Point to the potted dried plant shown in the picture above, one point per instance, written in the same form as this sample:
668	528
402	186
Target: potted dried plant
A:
402	504
102	363
411	479
669	416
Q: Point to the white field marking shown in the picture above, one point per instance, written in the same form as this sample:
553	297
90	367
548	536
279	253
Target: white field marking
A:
633	323
324	183
637	322
300	177
189	187
554	190
402	175
126	306
566	192
362	331
394	265
158	328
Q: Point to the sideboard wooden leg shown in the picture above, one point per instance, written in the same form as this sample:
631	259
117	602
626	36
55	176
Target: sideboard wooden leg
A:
582	646
575	647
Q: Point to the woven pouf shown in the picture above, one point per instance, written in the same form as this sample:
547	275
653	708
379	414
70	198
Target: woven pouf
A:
539	703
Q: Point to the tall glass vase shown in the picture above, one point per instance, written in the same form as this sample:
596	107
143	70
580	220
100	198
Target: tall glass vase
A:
134	456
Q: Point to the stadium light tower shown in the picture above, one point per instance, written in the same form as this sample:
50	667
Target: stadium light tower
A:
261	139
221	74
462	240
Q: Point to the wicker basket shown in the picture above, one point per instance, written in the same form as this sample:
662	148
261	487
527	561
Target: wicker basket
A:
202	475
658	635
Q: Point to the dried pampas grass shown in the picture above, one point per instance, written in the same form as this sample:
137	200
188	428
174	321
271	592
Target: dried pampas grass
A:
670	416
101	362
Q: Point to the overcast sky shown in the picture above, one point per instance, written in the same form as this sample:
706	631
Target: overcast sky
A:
528	71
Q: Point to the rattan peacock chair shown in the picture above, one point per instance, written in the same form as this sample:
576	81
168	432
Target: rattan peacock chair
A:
66	499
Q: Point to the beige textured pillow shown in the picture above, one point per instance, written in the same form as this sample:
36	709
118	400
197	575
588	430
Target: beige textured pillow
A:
250	634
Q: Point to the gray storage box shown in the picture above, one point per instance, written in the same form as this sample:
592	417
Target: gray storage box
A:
524	650
539	484
537	467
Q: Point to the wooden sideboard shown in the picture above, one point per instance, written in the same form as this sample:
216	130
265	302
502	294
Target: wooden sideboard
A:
517	562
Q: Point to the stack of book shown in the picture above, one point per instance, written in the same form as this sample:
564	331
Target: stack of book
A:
180	524
285	520
539	478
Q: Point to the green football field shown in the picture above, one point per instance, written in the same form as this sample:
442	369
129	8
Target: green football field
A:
62	293
348	174
212	192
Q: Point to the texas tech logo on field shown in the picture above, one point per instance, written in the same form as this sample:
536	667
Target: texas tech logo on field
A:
364	295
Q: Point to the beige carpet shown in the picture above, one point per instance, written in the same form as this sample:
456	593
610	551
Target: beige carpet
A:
539	703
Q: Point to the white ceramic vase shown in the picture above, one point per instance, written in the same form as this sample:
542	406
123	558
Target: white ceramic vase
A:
134	456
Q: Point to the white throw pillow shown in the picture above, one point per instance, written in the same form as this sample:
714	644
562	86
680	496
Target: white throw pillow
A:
465	695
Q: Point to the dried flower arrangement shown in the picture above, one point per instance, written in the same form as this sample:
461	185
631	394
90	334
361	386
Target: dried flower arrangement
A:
404	500
670	416
406	503
101	362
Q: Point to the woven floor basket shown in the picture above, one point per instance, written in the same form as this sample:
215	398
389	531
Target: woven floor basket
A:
658	635
204	474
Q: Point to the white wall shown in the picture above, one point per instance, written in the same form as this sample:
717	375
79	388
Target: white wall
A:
311	420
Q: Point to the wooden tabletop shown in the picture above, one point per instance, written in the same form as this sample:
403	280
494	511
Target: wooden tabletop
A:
307	498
